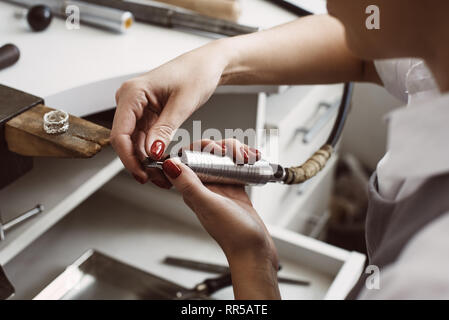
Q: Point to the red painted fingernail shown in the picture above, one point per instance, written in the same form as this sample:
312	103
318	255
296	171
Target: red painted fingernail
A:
256	152
171	169
245	154
223	149
162	184
138	179
157	149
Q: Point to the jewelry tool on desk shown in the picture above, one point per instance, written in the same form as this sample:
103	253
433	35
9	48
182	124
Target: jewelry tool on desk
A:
290	6
222	170
216	268
9	55
38	17
221	9
172	17
112	19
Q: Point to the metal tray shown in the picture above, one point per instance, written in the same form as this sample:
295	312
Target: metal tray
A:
97	276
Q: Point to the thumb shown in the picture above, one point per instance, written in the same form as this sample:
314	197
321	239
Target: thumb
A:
174	113
185	181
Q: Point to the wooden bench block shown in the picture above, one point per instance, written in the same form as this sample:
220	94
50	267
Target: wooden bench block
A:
25	135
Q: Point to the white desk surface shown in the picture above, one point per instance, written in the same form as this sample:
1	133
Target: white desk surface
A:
59	59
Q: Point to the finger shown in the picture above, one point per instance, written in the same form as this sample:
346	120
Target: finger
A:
172	116
127	113
139	145
185	181
254	155
205	145
240	153
125	150
158	178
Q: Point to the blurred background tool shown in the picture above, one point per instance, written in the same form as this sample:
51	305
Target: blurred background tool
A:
9	55
111	279
216	268
292	7
222	9
172	17
100	16
38	17
112	19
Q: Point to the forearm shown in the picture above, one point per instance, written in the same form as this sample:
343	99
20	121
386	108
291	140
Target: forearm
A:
310	50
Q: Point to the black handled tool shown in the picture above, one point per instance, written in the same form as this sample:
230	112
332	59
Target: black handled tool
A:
293	8
215	268
9	55
206	288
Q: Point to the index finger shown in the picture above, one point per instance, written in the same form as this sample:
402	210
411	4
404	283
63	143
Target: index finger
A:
124	148
123	126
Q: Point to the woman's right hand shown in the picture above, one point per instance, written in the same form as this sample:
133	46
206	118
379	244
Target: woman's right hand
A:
150	108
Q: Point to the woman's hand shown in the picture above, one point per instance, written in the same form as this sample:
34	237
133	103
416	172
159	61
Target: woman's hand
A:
227	214
151	107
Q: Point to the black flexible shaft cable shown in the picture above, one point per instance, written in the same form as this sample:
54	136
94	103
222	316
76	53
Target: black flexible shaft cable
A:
342	115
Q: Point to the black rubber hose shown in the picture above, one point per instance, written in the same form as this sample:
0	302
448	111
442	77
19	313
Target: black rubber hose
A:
342	115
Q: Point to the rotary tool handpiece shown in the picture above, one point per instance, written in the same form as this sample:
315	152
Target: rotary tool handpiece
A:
223	170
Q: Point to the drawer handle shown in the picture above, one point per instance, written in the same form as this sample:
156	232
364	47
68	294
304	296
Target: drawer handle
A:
25	216
312	132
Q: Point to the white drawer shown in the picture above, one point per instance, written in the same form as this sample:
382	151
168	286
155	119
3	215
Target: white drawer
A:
290	206
303	117
142	236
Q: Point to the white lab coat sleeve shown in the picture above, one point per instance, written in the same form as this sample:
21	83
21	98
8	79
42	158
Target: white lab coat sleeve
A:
422	269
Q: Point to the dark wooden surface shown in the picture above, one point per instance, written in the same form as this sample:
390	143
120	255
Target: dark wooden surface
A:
12	103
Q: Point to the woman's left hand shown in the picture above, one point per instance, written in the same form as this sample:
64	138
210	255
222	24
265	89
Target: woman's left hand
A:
227	214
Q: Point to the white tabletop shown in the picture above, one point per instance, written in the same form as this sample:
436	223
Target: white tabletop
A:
59	59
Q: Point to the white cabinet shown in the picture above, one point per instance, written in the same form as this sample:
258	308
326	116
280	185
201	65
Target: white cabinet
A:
299	120
139	229
61	185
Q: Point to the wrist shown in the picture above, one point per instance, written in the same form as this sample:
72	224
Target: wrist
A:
259	256
254	276
227	50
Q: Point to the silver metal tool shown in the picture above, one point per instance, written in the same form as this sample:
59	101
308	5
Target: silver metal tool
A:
104	17
175	17
223	170
96	15
30	213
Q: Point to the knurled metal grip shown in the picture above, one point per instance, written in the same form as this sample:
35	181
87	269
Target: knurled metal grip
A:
215	169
